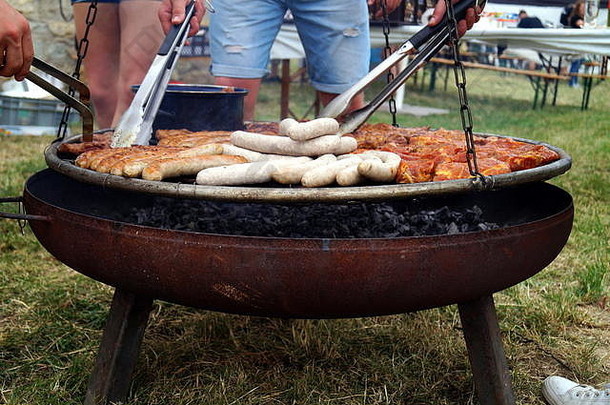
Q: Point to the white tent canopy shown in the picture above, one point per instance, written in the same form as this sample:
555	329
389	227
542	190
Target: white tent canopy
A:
560	41
549	15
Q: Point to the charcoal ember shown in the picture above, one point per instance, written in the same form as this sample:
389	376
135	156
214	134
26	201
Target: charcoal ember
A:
351	220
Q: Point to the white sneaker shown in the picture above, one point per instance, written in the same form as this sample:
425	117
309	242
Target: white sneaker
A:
561	391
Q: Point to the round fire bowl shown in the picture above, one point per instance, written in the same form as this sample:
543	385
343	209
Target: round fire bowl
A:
300	278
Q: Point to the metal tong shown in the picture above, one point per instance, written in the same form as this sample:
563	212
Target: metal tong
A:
425	43
81	105
135	126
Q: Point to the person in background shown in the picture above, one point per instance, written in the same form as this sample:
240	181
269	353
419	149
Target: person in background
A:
561	391
335	35
123	41
525	21
15	43
576	19
564	17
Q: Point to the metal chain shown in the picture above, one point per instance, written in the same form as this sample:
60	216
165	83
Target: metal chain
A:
83	47
460	83
387	51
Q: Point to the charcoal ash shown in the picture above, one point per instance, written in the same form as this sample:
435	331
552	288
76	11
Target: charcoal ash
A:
351	220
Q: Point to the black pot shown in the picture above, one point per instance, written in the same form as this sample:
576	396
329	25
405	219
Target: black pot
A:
199	107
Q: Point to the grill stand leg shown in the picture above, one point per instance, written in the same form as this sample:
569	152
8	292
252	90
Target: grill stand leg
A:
129	314
487	359
118	352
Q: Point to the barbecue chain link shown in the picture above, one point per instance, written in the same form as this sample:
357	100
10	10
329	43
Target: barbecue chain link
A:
83	46
465	111
387	51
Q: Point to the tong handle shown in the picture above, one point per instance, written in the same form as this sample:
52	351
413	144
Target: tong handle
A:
356	118
337	106
170	39
424	35
81	105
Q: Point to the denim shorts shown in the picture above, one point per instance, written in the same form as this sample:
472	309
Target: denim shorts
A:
334	33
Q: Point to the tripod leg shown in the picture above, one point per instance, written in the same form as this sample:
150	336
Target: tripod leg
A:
118	352
487	359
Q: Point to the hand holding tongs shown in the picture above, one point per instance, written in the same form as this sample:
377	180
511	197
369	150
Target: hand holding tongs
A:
426	42
135	126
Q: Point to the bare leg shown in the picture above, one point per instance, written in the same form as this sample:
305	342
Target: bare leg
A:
101	62
252	85
141	36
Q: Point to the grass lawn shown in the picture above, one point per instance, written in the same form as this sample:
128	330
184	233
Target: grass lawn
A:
557	322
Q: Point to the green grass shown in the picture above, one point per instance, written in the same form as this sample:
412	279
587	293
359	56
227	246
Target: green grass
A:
556	322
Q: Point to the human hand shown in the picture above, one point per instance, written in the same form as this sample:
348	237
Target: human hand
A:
16	48
391	5
472	16
172	12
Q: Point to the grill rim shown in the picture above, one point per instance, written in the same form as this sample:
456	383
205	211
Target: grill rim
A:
298	194
42	176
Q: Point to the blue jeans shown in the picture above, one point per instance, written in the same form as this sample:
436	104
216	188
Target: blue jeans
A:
334	33
574	68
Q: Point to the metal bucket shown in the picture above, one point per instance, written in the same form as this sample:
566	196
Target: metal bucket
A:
199	107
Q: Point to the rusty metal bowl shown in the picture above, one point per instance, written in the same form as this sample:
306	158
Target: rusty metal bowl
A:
299	278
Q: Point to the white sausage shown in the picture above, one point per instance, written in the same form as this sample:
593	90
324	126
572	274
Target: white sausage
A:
245	173
251	155
349	176
383	170
302	131
296	159
347	145
350	155
293	174
282	145
323	176
286	124
385	156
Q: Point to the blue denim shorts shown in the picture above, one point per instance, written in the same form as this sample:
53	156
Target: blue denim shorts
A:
334	33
